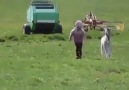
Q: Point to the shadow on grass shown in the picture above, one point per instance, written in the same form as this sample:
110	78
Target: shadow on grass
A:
56	37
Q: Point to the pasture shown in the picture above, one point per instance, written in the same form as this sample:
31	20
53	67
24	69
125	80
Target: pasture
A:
47	62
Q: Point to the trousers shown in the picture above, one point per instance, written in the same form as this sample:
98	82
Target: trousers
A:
78	49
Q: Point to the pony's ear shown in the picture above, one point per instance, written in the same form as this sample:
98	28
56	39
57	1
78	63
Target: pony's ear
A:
109	29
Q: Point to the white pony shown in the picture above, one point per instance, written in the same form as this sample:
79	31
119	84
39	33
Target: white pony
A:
106	43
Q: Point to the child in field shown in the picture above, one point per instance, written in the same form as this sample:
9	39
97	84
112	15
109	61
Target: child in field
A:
78	35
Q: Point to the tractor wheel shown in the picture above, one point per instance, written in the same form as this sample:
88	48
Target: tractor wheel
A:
59	29
26	29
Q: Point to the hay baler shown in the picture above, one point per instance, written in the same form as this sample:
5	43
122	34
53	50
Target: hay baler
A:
42	17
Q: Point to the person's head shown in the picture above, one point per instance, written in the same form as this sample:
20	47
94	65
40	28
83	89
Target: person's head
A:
79	24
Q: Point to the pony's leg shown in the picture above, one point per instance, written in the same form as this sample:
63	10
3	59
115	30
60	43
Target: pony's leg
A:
109	50
102	50
105	50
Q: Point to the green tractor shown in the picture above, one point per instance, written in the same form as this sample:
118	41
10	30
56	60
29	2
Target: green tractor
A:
42	17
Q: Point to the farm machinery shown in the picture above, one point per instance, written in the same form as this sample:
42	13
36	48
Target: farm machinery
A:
42	17
92	22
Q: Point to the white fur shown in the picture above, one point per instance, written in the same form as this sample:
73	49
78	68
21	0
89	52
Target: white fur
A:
105	44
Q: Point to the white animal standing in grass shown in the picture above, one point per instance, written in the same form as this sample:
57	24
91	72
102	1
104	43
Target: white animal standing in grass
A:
106	43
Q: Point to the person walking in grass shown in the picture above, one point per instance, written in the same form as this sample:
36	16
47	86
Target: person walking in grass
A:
78	35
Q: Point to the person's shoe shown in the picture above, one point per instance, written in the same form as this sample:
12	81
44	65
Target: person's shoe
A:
77	57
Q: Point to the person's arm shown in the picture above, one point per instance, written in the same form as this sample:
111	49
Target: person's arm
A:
84	35
70	35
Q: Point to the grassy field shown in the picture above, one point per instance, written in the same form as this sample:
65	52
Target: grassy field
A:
47	62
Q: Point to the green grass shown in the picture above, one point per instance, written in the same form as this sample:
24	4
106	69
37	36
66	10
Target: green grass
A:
47	62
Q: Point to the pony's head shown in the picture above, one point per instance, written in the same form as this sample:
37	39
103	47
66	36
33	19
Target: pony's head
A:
107	32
